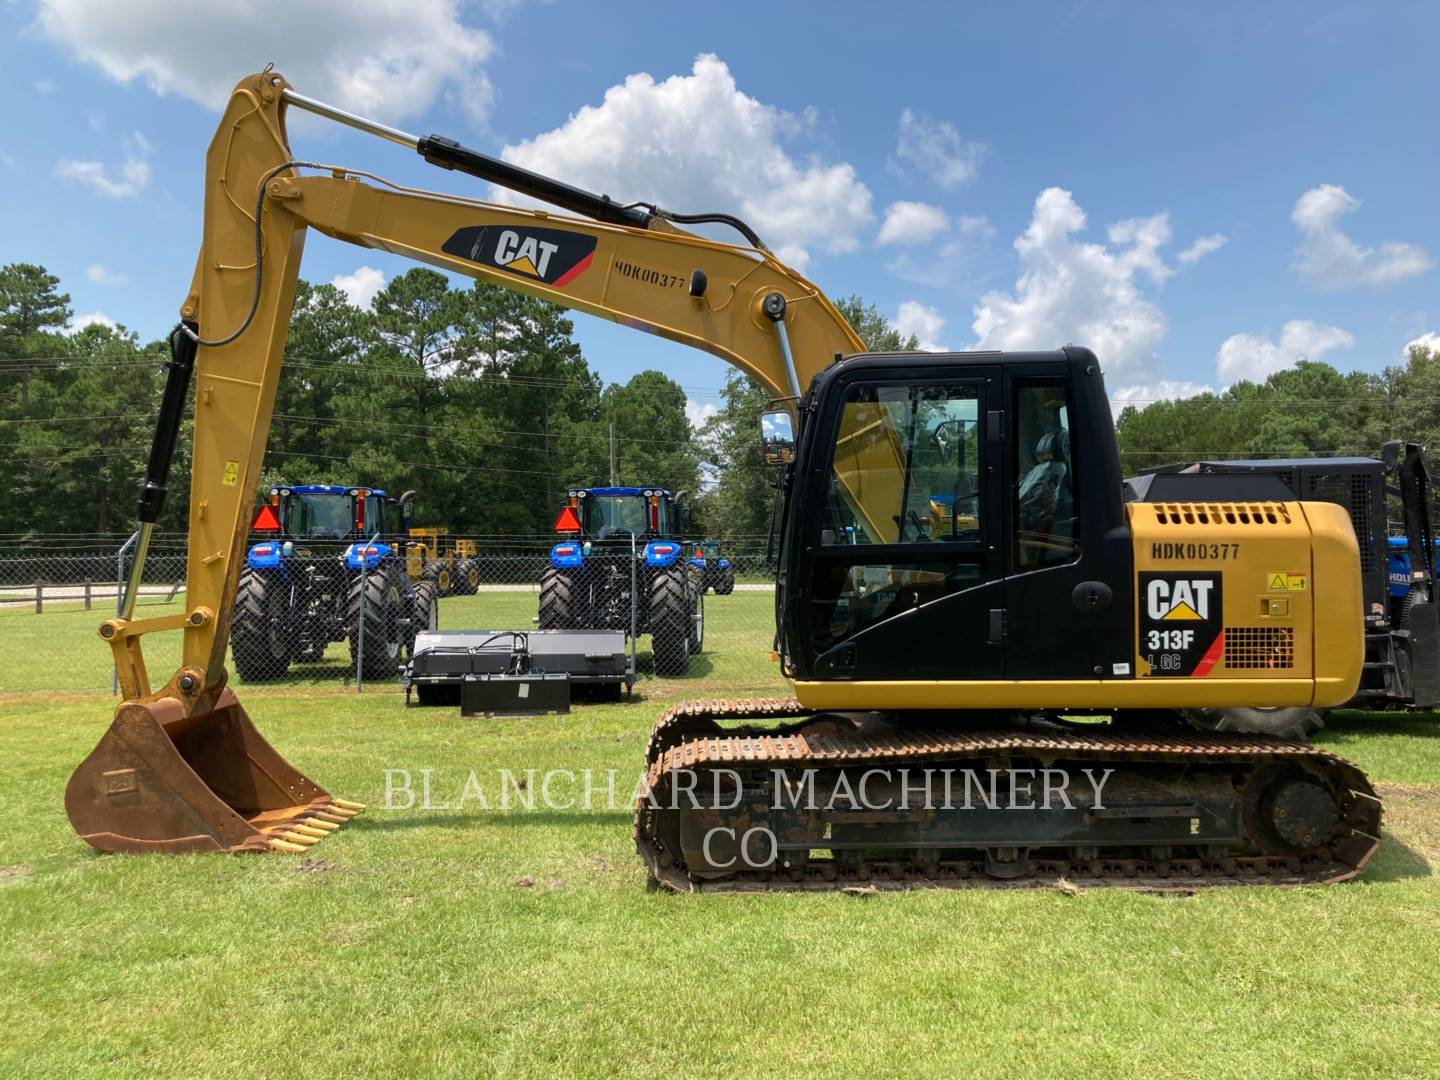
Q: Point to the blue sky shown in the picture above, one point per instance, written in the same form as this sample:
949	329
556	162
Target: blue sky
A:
1007	176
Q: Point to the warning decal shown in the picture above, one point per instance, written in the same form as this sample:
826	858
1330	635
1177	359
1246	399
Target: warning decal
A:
1285	581
1181	624
231	476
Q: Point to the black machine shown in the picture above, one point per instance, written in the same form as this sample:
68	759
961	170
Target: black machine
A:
516	672
1402	630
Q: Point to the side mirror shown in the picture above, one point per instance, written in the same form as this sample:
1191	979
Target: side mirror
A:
777	437
407	511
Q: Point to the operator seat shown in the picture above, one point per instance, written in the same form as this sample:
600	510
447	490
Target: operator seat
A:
1046	495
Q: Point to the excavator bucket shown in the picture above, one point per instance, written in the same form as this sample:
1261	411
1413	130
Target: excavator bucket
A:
162	781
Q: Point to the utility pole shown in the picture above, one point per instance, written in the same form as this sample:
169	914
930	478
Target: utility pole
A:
614	458
549	494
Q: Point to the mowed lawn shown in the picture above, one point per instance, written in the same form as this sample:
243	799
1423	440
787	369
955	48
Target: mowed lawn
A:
471	940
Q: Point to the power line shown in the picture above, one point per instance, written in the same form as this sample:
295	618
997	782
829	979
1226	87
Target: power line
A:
368	368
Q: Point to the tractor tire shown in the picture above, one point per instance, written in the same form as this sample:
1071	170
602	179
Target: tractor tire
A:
260	634
384	610
424	612
1296	723
468	574
670	622
558	594
726	585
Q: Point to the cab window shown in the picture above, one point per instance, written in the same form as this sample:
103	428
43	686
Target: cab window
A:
1047	526
906	467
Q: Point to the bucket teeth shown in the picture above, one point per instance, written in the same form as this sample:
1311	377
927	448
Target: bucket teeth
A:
340	811
326	815
308	830
313	822
346	804
299	838
276	844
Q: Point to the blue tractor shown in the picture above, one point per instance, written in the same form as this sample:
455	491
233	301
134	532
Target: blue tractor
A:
716	571
331	560
622	567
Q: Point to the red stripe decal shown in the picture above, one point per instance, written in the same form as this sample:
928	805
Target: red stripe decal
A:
1211	657
574	272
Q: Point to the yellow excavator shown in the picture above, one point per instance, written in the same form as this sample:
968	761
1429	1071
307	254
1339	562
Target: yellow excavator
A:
992	652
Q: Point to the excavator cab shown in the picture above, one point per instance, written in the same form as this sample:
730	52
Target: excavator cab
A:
937	521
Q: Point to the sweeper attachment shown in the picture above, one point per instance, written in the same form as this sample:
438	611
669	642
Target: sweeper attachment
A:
516	672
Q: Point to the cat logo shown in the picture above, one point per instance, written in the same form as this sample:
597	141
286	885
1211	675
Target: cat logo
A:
1184	599
530	255
552	256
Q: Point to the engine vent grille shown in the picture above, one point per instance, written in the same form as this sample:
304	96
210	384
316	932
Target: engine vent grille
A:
1221	514
1265	647
1354	492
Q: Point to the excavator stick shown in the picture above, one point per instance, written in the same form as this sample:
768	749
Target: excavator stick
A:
162	781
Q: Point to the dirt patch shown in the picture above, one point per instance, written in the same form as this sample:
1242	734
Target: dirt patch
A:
1412	815
315	866
13	873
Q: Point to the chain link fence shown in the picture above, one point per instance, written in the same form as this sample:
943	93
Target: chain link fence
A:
343	619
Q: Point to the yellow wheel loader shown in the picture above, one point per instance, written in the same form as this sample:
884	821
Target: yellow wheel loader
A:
454	569
992	652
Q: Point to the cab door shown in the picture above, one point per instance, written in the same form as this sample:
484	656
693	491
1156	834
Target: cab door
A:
901	570
1066	541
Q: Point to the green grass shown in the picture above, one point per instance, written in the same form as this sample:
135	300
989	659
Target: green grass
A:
473	941
60	649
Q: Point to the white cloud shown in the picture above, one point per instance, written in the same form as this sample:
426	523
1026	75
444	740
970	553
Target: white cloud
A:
1428	340
1254	358
936	150
922	321
1204	245
1143	394
103	275
44	86
1330	259
389	59
360	286
94	318
123	181
912	223
1086	293
696	143
697	413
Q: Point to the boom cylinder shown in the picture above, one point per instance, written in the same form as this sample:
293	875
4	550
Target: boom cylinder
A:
449	154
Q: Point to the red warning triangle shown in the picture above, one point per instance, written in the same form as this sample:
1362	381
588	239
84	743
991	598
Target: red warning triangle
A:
266	520
567	522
